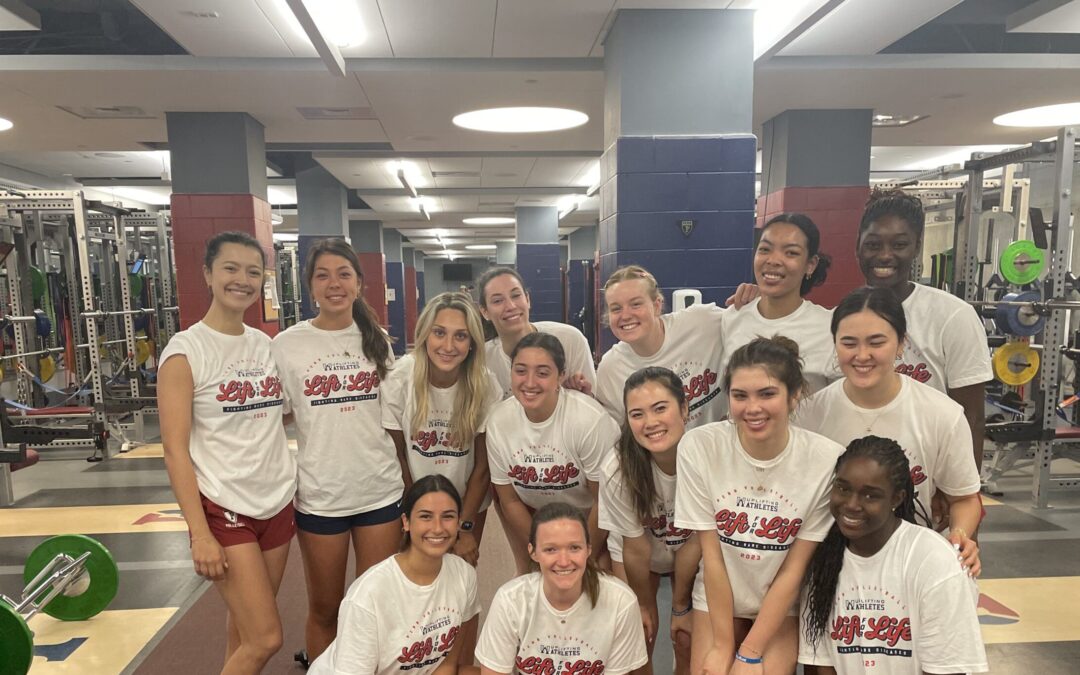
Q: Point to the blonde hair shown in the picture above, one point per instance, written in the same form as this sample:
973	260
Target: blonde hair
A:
470	401
628	273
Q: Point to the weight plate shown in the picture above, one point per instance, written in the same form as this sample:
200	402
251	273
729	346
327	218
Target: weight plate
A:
1021	321
1021	262
1015	363
37	284
100	567
47	367
142	352
135	284
16	641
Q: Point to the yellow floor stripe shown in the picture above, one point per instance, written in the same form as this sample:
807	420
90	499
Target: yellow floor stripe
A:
91	520
156	450
104	645
989	501
1042	609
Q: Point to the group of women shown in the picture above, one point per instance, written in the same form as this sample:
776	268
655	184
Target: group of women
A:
784	428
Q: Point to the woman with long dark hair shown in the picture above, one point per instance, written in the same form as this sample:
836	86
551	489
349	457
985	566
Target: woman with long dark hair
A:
884	595
565	612
408	612
349	480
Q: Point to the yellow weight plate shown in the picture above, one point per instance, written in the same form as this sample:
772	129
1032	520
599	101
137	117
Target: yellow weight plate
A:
47	367
142	352
1015	363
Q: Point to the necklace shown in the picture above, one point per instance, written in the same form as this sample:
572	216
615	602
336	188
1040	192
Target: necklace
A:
870	424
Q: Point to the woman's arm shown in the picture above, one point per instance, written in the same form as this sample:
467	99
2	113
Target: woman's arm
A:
637	554
475	491
518	518
782	594
964	515
687	559
597	536
972	399
721	605
449	666
175	395
402	455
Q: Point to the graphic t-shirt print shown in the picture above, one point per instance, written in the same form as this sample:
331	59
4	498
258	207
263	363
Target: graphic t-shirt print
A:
558	655
870	621
250	388
700	385
913	364
753	518
339	381
432	442
430	639
543	468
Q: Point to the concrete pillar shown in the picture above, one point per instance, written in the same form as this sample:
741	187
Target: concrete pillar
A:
219	184
538	260
322	213
505	253
408	254
367	240
817	162
677	190
395	288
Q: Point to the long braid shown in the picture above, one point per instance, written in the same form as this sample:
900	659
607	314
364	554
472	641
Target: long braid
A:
823	574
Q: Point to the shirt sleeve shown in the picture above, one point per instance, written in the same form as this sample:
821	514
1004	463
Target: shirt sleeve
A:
472	600
499	640
693	508
818	519
597	444
180	345
357	643
628	646
967	358
277	352
392	398
957	476
498	454
615	509
949	640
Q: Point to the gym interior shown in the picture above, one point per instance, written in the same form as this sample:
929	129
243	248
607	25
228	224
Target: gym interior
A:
137	129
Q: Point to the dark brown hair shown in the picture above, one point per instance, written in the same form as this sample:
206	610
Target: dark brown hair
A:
560	511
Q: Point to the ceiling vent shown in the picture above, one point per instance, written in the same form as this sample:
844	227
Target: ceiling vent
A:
354	113
108	112
455	174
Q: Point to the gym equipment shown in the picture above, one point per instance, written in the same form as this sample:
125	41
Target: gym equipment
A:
47	367
1021	262
1015	363
37	284
1019	317
70	577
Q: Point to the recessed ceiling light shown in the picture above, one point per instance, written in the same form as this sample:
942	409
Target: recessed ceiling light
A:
481	247
1060	115
5	124
489	220
521	120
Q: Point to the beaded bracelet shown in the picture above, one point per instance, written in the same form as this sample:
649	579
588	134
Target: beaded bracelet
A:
683	612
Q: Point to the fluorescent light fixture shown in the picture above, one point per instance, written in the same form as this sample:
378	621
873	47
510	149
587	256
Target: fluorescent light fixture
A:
884	120
5	124
489	220
592	176
286	236
481	247
407	185
338	20
593	189
424	211
1059	115
521	120
276	219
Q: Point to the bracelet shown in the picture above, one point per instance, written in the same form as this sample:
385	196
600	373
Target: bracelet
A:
749	649
682	612
963	533
744	659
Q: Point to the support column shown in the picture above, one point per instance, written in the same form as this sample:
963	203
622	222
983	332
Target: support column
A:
366	237
219	184
537	257
505	253
677	191
817	162
395	288
408	254
322	213
578	278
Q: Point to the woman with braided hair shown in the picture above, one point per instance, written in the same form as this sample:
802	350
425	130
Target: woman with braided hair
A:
884	595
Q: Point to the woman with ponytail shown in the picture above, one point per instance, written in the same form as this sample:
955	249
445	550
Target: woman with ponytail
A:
565	612
883	595
349	480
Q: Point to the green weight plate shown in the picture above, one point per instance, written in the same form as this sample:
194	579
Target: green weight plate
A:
100	566
37	283
1022	262
16	642
135	284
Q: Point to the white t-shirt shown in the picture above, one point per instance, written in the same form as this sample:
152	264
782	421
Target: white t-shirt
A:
389	625
928	425
578	357
618	516
756	508
909	608
237	441
692	348
428	449
946	342
810	326
347	461
524	634
550	461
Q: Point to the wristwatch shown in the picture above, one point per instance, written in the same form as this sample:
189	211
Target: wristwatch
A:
466	526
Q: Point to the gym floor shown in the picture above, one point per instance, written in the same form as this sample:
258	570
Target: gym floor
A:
164	620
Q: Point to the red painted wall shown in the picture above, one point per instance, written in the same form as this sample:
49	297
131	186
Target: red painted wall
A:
410	303
374	267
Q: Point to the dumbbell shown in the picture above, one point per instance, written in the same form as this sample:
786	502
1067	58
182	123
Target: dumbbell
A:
69	577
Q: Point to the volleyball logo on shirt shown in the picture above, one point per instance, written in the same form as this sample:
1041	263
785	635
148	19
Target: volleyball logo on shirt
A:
432	648
759	517
323	389
251	389
540	469
864	626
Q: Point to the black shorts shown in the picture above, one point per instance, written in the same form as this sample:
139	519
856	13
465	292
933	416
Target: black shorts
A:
338	524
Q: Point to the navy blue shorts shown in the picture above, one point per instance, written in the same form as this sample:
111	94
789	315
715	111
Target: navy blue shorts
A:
338	524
